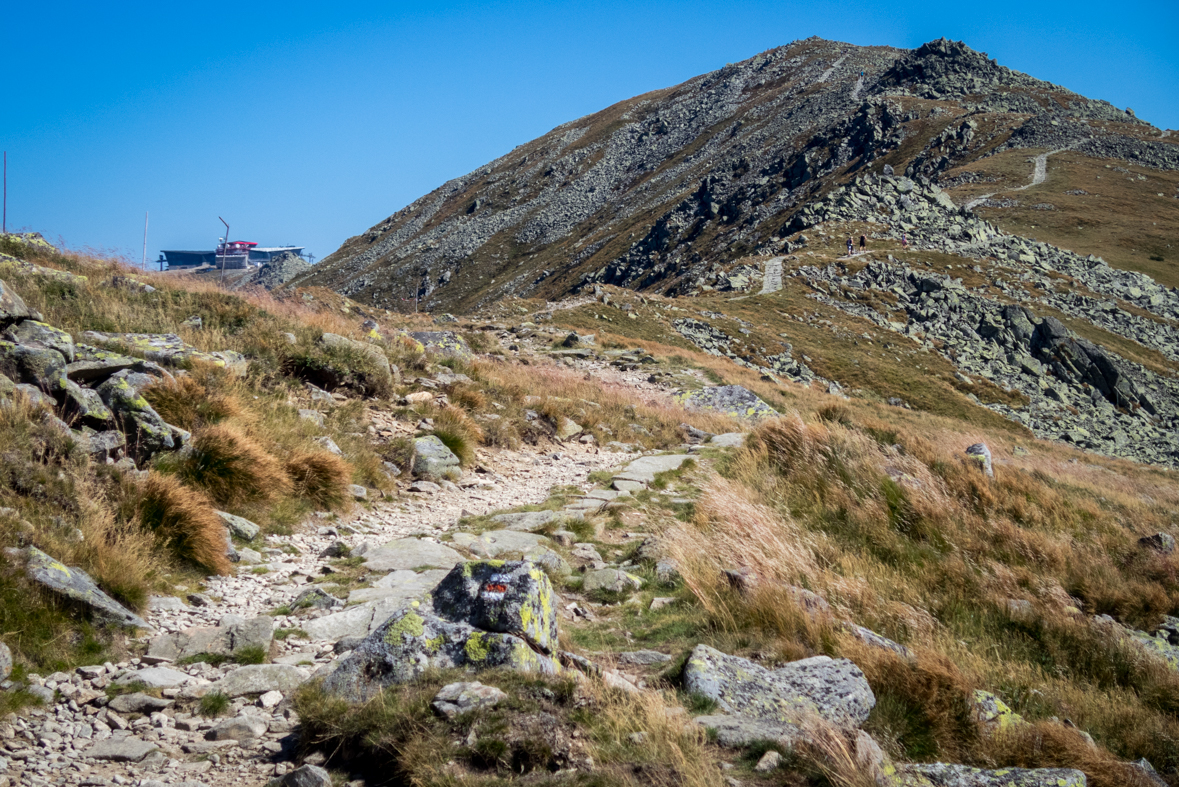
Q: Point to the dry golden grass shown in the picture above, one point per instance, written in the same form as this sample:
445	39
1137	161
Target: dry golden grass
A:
672	742
184	521
321	478
232	468
200	399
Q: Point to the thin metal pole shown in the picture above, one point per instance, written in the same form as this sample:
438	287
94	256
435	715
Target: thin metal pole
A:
224	248
5	227
143	264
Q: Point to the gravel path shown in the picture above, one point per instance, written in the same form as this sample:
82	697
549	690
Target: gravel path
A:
827	74
80	740
772	280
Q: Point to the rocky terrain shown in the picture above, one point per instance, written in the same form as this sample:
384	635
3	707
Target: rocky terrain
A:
657	192
769	447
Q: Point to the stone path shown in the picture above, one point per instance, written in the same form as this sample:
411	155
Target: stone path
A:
827	74
772	280
858	88
1039	175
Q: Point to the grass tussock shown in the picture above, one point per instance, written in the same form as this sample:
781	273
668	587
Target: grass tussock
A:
320	478
184	521
232	468
458	432
193	401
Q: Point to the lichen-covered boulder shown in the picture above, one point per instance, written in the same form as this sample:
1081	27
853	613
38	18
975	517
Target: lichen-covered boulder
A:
76	584
510	597
993	713
146	431
733	400
443	343
982	455
33	364
12	306
432	458
82	404
834	689
167	348
940	774
414	640
381	377
93	365
34	332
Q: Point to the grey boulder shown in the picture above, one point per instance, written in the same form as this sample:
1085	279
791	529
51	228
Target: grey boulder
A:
306	776
228	639
457	698
432	457
76	584
834	689
240	527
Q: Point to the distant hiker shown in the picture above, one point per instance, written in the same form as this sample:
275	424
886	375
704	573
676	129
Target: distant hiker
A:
863	242
904	240
849	247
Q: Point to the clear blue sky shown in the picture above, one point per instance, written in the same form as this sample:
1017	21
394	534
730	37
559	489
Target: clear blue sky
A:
308	123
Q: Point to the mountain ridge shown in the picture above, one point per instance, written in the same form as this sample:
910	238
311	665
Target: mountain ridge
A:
628	194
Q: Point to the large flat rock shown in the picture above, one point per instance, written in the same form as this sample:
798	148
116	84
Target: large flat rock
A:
494	543
401	586
410	553
120	749
643	470
261	678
